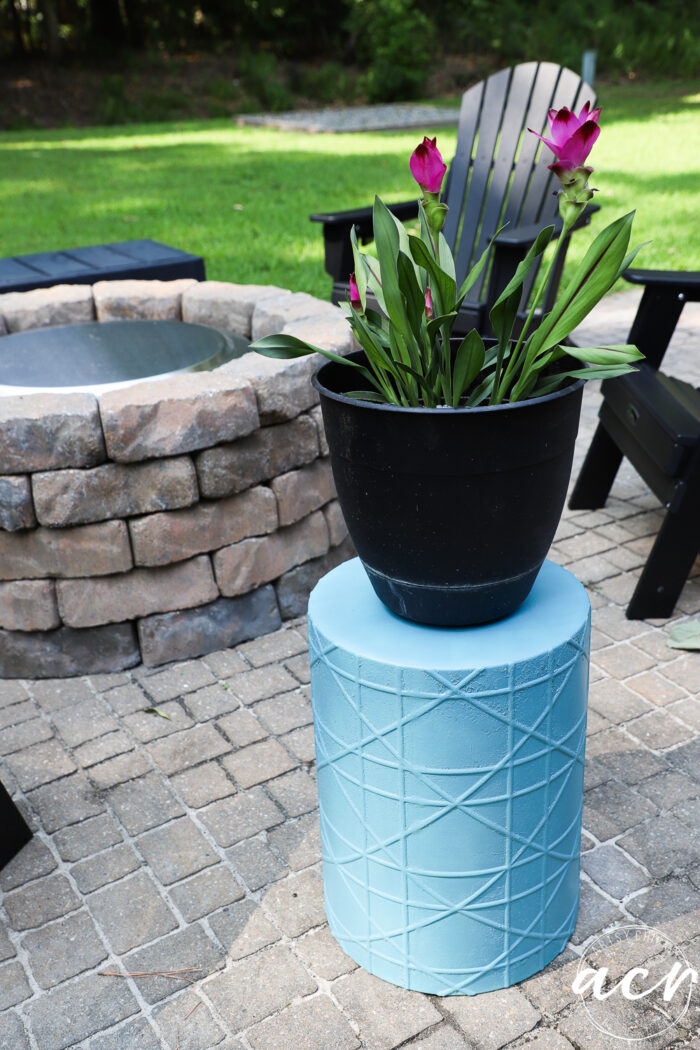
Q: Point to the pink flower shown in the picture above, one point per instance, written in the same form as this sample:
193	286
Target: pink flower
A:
428	304
427	166
572	137
355	300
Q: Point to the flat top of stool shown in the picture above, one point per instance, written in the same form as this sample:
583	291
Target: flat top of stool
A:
347	612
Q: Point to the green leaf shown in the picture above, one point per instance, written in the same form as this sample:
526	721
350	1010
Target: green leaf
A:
157	711
446	259
374	279
428	393
410	289
367	395
386	237
629	258
684	635
594	276
477	268
286	347
601	371
444	288
360	269
505	310
469	360
605	355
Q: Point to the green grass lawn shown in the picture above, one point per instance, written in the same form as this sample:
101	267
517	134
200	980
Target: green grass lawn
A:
241	196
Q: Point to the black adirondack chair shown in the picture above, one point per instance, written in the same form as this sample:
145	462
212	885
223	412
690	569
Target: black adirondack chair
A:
499	175
654	420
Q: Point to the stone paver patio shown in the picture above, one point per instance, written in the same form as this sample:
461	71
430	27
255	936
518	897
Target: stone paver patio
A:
175	826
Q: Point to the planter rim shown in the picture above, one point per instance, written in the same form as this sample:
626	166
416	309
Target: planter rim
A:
421	411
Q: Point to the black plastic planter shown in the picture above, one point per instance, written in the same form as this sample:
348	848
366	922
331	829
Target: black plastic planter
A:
452	511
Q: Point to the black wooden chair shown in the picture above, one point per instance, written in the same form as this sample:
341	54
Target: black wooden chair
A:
654	420
499	175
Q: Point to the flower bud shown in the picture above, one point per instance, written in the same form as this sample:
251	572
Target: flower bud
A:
428	303
427	166
355	300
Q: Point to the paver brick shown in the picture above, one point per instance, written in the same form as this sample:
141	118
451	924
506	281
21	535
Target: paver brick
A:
685	672
658	730
611	809
270	451
84	550
28	605
183	750
88	837
296	904
262	683
105	747
113	490
40	902
240	817
257	763
301	743
190	947
255	863
94	872
202	785
621	757
141	592
243	929
135	299
198	1031
65	651
225	663
12	1032
177	681
257	987
131	913
663	845
13	714
167	417
242	727
222	623
211	701
63	949
385	1015
667	789
11	693
323	955
688	711
613	871
284	712
152	723
615	701
296	793
299	841
158	539
16	738
33	860
594	914
14	987
40	764
299	492
224	304
550	990
118	769
175	851
83	721
253	562
7	948
492	1019
273	647
48	432
136	1035
442	1038
283	388
144	803
65	802
78	1010
314	1024
207	892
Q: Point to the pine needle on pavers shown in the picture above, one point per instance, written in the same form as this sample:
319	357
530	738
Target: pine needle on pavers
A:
174	975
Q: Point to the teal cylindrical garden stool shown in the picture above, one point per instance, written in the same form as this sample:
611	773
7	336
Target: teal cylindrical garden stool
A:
450	782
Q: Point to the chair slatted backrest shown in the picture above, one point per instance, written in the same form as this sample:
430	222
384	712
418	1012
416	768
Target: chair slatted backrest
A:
499	173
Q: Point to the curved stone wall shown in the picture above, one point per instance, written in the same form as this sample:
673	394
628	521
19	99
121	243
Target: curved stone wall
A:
174	517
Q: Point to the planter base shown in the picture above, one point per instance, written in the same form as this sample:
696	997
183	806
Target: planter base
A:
452	606
450	778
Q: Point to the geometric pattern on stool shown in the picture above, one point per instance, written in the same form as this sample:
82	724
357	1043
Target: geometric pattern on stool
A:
451	799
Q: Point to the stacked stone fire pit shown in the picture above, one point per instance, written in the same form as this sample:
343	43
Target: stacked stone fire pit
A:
173	517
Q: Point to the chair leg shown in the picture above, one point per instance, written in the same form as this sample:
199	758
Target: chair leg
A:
597	473
667	567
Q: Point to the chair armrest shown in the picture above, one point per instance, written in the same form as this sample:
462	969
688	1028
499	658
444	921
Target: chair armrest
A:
336	234
524	236
684	283
402	210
